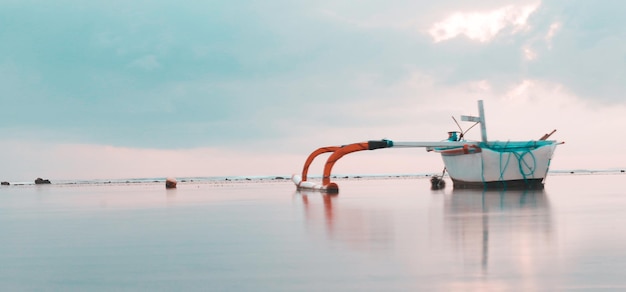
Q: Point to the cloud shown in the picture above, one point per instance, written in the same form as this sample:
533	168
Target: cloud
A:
482	26
554	28
529	53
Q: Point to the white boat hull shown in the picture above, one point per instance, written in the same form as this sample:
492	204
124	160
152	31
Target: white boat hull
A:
524	167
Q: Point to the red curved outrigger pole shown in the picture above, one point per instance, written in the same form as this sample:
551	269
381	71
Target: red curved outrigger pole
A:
337	153
312	156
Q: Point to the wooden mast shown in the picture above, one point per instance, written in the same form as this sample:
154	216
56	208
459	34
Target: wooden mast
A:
479	119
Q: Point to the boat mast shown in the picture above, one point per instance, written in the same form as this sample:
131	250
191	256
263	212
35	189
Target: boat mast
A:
479	119
481	116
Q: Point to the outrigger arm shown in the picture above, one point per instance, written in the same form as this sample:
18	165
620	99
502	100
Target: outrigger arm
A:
339	151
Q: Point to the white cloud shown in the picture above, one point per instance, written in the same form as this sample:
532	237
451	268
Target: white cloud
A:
529	53
482	26
520	92
554	28
480	86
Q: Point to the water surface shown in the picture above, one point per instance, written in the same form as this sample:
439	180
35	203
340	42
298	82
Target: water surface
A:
390	234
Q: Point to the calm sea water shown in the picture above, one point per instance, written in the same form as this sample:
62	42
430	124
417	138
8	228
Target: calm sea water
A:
376	235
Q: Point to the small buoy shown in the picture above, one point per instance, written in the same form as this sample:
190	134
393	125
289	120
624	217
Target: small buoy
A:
170	183
437	183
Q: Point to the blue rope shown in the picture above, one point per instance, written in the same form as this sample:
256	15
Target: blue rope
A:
502	170
519	155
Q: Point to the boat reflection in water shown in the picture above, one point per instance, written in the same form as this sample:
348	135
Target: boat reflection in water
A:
356	227
510	229
450	239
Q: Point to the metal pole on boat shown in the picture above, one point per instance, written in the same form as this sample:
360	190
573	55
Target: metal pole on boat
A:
481	115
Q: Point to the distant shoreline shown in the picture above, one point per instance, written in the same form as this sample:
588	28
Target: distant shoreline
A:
279	178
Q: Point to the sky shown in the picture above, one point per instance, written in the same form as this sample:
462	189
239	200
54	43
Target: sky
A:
129	89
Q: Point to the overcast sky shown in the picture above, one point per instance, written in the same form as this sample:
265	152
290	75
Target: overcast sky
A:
119	89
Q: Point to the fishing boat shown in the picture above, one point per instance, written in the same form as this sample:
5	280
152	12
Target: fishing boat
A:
510	164
469	164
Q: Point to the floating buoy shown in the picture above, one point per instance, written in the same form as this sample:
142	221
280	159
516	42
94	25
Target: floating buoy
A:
170	183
